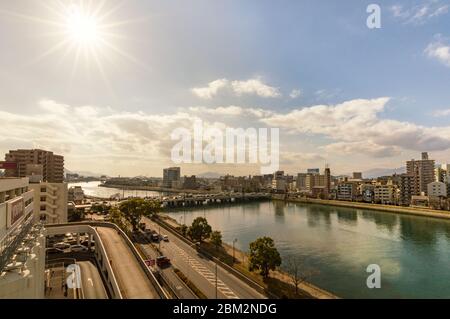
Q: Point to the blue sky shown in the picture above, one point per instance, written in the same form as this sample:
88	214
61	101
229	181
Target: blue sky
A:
323	49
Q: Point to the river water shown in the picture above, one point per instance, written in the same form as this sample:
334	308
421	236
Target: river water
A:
93	189
412	252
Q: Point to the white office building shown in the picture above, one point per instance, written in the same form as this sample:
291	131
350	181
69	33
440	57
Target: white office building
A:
437	189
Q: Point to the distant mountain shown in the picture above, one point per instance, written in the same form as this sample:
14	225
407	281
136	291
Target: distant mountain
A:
377	172
209	175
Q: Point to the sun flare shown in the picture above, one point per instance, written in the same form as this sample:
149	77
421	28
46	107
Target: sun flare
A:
85	34
82	27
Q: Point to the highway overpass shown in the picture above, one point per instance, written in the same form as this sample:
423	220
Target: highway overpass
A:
124	271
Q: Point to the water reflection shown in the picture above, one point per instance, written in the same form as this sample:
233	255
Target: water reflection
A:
317	216
279	208
346	216
386	221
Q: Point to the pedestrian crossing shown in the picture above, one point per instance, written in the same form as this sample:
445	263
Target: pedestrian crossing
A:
206	273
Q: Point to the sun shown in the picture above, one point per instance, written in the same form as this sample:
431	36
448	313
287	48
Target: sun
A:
82	27
81	35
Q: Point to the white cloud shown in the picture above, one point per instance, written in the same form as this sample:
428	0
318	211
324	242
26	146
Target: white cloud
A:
439	51
211	90
439	113
227	110
295	93
255	87
363	147
301	158
327	94
125	142
355	126
251	87
231	111
53	107
419	14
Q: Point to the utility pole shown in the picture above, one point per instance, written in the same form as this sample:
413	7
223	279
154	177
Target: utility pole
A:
159	239
234	241
216	279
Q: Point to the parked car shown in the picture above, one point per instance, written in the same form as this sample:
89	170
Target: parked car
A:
61	245
165	238
85	243
162	261
78	248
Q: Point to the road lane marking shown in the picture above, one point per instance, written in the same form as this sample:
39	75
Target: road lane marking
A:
206	273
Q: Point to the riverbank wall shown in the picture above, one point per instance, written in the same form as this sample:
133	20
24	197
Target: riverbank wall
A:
384	208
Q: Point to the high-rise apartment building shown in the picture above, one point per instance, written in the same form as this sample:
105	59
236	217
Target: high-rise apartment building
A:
50	202
327	174
171	177
423	173
406	185
36	163
357	175
301	181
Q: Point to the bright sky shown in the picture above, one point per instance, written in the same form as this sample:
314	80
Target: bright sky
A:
105	82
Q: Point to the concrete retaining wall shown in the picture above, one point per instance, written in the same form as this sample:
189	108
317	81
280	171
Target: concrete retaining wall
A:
384	208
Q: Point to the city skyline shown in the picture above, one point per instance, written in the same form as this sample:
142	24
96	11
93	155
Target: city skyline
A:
111	108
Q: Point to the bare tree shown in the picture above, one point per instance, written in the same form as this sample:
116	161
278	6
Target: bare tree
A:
298	271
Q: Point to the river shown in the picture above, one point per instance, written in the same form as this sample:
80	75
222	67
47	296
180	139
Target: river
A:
413	252
93	189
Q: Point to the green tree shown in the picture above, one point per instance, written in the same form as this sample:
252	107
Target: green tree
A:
117	217
264	256
184	230
199	230
216	238
134	209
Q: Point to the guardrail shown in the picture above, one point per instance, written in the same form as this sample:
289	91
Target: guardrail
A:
87	228
225	266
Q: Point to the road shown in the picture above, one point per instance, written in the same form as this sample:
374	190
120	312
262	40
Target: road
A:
171	277
201	271
91	281
131	278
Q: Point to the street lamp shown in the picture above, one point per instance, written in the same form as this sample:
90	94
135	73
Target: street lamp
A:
234	241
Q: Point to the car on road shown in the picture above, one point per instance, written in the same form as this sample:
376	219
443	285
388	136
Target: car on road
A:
78	248
162	261
155	237
51	251
61	245
165	238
